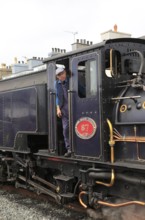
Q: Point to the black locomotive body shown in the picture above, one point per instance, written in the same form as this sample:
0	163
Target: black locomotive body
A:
107	134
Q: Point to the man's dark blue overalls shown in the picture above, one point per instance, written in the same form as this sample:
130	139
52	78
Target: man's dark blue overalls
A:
62	101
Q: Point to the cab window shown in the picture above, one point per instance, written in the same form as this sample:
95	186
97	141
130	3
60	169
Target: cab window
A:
87	79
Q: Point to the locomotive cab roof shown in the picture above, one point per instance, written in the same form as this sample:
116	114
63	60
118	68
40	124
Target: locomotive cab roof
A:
94	46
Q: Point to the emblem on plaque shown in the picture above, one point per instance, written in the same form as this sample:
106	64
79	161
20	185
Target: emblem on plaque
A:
85	128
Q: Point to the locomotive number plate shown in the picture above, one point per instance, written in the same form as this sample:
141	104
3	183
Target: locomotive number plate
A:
85	128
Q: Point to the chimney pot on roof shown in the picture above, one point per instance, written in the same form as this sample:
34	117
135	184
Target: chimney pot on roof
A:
15	60
115	27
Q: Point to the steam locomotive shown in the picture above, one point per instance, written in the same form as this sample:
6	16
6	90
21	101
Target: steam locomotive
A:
106	127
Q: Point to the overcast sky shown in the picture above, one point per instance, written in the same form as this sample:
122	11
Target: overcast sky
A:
32	27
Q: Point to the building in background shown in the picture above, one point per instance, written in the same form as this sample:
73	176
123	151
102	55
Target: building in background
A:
29	65
5	70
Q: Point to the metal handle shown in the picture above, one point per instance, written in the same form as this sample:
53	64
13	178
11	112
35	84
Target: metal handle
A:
70	110
52	121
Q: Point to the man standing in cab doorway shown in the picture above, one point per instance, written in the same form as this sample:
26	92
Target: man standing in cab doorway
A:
62	86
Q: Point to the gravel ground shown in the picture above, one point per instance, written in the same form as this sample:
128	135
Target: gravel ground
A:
16	207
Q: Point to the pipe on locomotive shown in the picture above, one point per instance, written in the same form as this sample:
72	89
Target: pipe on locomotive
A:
106	175
119	176
141	58
111	66
80	198
111	143
120	204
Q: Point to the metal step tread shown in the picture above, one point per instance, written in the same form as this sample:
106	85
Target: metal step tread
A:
67	195
63	177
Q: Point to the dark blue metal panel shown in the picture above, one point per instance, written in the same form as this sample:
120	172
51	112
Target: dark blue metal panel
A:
7	110
18	112
1	120
86	107
1	108
88	147
1	133
8	134
24	109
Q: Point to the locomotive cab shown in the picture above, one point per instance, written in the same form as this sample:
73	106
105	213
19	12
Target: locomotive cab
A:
84	107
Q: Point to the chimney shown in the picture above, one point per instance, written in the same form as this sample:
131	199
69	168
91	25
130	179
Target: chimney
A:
56	51
15	60
114	34
115	28
81	43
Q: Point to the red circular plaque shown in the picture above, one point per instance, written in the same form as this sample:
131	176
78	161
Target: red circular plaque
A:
85	128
